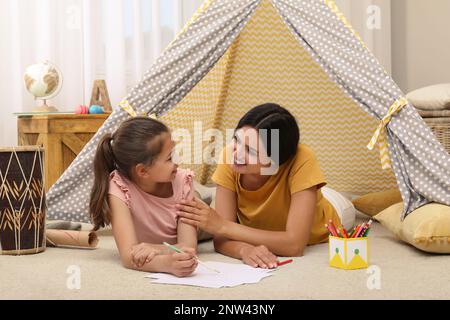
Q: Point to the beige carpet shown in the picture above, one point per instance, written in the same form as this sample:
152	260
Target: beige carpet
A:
406	273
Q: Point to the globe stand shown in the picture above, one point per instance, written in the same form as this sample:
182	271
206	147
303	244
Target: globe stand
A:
45	108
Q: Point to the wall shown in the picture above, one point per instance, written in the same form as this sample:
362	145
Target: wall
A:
420	42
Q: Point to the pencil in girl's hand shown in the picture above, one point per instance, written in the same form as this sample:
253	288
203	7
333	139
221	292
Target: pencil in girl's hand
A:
198	260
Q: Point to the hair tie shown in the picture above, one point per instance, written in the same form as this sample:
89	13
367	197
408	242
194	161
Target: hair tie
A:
110	144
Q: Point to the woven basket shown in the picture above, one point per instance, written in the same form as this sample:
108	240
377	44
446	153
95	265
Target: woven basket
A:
439	122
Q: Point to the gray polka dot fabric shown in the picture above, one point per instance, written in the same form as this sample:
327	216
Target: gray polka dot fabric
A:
421	165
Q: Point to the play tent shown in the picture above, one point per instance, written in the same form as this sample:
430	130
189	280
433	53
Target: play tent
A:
304	55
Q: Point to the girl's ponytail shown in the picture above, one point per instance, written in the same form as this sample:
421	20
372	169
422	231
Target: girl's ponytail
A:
104	164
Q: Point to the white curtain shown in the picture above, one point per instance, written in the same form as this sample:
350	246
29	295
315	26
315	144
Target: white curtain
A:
372	21
115	40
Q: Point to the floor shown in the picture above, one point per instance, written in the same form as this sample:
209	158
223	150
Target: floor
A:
403	273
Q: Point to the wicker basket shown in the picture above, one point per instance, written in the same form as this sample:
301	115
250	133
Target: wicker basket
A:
439	122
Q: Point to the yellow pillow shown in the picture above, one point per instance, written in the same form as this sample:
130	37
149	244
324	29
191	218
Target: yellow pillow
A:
426	228
373	203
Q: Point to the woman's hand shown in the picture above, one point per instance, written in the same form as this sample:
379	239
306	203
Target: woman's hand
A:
182	264
142	253
199	214
258	256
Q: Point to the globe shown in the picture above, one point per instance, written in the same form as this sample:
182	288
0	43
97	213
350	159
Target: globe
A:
44	81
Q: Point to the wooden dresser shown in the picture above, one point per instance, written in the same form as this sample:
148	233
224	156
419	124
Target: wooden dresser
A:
63	136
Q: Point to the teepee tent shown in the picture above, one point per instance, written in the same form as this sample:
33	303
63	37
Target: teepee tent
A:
304	55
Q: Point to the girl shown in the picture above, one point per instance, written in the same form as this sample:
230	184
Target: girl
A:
262	215
136	188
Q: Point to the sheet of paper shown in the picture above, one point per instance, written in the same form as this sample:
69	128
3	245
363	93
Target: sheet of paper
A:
230	275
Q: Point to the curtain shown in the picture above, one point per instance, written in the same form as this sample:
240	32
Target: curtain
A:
115	40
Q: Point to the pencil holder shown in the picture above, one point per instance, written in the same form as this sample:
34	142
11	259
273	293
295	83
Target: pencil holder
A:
349	253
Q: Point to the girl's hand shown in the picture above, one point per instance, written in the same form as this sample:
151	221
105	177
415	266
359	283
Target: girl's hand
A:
182	264
258	257
199	214
191	251
142	253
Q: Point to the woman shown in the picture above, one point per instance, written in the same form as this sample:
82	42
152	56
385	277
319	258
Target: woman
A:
260	216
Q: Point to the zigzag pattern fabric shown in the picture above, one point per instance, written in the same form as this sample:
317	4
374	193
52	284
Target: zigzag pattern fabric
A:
302	54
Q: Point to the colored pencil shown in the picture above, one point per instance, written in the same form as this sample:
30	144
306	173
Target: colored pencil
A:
366	227
354	231
282	263
198	260
351	232
363	230
344	232
360	229
331	231
331	224
357	230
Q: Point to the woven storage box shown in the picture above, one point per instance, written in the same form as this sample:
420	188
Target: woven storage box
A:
439	122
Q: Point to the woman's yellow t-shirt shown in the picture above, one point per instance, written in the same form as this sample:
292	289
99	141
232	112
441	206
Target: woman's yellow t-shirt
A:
268	207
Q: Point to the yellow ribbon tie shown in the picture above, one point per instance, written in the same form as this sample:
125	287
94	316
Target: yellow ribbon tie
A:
380	135
125	105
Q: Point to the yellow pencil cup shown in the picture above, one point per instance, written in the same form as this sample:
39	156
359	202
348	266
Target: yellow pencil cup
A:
349	254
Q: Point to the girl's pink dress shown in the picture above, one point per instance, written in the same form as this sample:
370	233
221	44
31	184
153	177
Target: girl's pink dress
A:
155	219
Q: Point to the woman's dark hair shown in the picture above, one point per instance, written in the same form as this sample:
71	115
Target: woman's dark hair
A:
271	116
138	140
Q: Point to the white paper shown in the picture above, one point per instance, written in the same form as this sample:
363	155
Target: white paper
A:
230	275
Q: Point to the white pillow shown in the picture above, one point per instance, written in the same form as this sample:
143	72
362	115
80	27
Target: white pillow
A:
344	207
435	97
